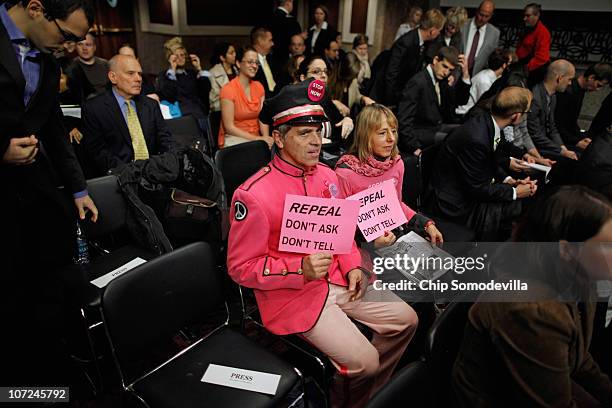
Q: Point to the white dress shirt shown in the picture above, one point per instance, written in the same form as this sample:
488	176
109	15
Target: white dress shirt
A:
481	82
470	37
315	34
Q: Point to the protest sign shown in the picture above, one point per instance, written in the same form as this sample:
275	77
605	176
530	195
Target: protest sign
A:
312	224
379	210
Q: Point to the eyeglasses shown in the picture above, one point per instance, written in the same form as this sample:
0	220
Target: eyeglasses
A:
318	71
68	36
251	62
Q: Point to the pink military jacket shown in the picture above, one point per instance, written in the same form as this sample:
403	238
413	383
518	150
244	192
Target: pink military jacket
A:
287	303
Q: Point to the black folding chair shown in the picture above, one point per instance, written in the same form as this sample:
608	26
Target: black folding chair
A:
155	301
410	386
188	132
239	162
105	257
452	232
443	343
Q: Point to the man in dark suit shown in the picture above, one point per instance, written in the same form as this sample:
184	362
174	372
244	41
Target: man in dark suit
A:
283	26
407	55
427	106
186	83
117	122
267	74
569	104
38	221
467	185
541	120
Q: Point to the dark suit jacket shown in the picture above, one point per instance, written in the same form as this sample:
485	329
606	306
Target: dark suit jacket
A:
464	168
419	113
321	43
34	186
432	48
541	121
191	92
261	77
283	27
567	112
106	137
405	61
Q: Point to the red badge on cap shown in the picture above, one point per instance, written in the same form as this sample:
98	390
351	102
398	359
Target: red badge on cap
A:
316	90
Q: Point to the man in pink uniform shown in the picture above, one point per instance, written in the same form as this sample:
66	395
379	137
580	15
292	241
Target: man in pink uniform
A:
312	295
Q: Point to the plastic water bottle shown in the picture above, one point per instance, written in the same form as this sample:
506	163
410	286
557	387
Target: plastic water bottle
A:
82	249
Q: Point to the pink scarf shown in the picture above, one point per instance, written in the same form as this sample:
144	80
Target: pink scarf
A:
371	167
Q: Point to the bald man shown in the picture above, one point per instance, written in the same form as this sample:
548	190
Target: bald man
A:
479	38
541	120
121	126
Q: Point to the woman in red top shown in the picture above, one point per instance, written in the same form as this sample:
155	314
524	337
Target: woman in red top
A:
241	102
374	158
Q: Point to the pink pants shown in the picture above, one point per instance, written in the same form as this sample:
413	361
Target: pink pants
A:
362	367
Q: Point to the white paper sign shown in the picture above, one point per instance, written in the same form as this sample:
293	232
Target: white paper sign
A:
536	166
243	379
104	280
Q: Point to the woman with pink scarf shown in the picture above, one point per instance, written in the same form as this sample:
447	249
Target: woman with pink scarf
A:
374	158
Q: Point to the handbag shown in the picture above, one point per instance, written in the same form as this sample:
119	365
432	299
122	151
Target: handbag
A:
190	218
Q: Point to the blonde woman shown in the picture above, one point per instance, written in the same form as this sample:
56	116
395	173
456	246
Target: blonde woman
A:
374	158
184	81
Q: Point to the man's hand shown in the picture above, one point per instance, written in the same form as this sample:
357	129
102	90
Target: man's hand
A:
344	110
316	266
545	162
384	240
435	236
195	61
529	158
565	152
518	166
357	284
463	63
526	187
366	100
21	150
75	136
584	143
85	204
510	180
347	127
173	60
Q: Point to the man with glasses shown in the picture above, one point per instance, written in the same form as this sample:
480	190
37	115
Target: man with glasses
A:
533	48
468	186
87	75
38	220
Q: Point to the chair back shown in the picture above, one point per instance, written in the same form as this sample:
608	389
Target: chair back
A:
427	161
410	386
111	204
185	130
239	162
158	298
411	184
442	347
